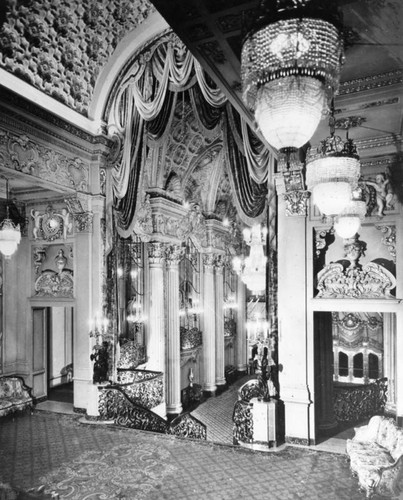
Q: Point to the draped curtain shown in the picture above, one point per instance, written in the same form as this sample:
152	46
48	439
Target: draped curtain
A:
148	96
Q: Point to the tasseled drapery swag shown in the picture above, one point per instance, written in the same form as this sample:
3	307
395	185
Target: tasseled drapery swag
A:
147	104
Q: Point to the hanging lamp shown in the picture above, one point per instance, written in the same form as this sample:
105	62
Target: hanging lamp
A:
10	233
252	269
290	67
332	171
348	222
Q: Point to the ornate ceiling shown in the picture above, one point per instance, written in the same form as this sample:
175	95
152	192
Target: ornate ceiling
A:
61	47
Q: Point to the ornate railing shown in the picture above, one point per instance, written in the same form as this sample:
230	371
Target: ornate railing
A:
243	422
190	338
354	403
143	386
115	404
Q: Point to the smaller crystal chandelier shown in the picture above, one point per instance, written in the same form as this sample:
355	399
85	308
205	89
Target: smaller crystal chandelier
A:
10	233
290	67
252	269
332	172
348	222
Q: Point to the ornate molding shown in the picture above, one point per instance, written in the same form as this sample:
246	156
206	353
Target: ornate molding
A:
208	261
296	203
372	281
83	222
23	154
156	253
322	240
48	36
389	240
143	223
55	284
39	257
51	225
173	255
371	82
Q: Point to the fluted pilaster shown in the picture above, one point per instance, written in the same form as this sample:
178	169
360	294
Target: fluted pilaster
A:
209	325
173	382
219	321
156	327
240	342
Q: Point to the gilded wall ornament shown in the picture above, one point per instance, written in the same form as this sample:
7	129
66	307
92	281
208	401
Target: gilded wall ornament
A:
58	283
39	257
296	203
372	281
22	153
51	225
143	225
83	222
389	239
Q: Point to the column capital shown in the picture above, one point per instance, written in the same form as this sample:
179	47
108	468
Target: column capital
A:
219	262
296	203
173	255
156	253
208	261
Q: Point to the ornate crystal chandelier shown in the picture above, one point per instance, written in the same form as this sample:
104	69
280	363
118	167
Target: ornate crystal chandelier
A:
10	233
252	269
332	173
290	66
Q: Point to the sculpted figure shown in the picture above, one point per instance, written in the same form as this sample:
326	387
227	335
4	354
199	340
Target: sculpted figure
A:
384	196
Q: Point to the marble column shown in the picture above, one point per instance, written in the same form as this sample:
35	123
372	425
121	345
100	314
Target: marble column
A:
219	321
155	343
209	325
173	382
241	341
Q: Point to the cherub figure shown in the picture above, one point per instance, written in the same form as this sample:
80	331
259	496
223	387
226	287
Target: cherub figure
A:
384	196
37	216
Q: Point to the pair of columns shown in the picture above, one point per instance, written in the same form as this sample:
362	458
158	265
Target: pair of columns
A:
164	353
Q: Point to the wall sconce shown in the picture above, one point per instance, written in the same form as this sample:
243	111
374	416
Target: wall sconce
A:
99	328
252	269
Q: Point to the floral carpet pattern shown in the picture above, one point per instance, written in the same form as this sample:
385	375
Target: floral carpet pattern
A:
124	471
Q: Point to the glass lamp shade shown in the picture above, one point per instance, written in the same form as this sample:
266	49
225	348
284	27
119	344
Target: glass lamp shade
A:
347	226
331	197
331	180
10	237
348	222
288	110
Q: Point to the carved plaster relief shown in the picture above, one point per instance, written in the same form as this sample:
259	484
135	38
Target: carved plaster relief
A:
23	154
51	225
54	283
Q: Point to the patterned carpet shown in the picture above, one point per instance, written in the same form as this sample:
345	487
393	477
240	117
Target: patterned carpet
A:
54	456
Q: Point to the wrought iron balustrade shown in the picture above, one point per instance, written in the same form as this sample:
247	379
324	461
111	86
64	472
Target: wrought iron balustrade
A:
357	402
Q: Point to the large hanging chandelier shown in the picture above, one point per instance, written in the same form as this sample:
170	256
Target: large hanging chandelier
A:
290	66
252	269
10	233
332	173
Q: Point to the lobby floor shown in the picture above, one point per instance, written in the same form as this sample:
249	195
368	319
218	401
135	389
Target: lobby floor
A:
54	453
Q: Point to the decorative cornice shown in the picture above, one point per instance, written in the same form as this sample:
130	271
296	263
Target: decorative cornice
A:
371	82
56	124
379	142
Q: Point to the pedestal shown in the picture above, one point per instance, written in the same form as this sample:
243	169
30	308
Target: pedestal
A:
265	425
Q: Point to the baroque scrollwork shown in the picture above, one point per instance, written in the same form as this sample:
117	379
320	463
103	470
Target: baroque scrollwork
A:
51	225
39	256
25	155
83	222
389	239
243	422
296	203
372	281
143	225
